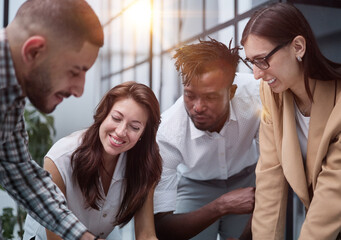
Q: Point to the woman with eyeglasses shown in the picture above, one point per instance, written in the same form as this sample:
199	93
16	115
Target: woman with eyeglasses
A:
108	171
300	143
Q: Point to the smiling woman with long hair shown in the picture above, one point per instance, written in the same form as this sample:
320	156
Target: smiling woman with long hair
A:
108	172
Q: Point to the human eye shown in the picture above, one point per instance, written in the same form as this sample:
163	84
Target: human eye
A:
135	128
211	97
257	60
115	118
189	95
74	74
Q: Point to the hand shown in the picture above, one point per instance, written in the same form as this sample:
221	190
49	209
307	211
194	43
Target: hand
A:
88	236
239	201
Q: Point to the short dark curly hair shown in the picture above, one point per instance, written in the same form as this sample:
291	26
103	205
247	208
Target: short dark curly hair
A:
195	59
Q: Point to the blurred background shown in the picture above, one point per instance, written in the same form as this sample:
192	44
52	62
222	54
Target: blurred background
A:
140	39
141	36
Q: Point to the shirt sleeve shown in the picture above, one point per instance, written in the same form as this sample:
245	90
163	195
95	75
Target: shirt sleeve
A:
323	216
166	190
28	183
268	221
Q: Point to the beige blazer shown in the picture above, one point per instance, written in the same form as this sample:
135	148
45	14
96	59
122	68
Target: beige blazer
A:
317	183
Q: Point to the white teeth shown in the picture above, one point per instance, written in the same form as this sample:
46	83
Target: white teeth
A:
115	141
271	81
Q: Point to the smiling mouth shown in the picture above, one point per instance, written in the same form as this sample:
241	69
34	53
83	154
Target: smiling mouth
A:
272	81
116	141
62	95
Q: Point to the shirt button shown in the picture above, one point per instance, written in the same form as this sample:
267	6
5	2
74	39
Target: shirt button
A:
104	215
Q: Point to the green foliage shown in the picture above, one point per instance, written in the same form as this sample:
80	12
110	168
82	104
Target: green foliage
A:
8	221
21	216
40	129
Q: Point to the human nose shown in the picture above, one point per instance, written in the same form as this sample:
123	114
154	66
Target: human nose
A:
78	88
199	106
121	130
257	72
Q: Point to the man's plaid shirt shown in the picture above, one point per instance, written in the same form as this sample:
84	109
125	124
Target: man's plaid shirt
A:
24	180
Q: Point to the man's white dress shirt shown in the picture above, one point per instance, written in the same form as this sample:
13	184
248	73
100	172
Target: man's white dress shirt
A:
202	155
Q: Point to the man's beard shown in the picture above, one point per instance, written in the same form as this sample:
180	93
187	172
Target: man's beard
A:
38	88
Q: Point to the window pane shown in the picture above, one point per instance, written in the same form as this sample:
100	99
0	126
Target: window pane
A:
157	18
13	8
128	75
105	85
242	67
126	2
246	5
170	24
1	13
115	80
191	16
105	11
142	16
218	11
170	82
115	7
105	53
129	37
115	45
156	75
142	73
225	35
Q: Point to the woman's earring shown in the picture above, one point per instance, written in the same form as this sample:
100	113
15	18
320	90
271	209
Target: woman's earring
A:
299	58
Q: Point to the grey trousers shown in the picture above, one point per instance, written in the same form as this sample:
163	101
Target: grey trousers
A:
193	194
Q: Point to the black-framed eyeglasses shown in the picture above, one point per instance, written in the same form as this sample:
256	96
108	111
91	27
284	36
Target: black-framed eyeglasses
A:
262	63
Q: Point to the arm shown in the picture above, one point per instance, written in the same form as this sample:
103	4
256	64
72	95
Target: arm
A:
31	186
58	180
144	221
187	225
50	167
268	220
323	216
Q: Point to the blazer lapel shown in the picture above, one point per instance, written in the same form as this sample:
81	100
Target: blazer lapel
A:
292	163
324	101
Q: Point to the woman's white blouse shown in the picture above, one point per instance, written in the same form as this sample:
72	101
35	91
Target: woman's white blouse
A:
99	222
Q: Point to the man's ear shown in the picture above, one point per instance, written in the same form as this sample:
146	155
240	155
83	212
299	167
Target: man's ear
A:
233	89
299	45
33	48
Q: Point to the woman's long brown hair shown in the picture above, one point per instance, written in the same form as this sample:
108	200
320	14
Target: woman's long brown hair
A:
143	163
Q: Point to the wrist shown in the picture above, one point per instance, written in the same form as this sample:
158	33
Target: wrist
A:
222	205
88	236
217	208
